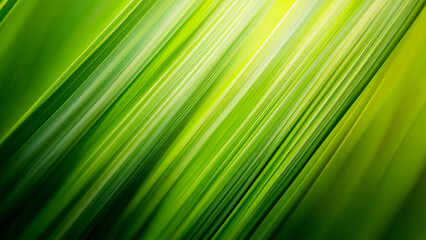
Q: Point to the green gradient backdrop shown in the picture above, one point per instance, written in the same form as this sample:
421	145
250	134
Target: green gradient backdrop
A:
230	119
